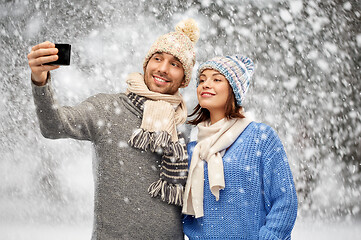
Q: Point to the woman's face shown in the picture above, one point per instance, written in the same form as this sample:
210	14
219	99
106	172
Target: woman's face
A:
213	91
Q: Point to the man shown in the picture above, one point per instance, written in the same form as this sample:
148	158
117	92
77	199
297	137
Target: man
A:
140	158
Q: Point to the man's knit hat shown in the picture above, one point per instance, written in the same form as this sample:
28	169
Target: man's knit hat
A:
180	44
237	69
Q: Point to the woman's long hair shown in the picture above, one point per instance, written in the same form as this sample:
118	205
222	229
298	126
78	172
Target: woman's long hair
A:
232	110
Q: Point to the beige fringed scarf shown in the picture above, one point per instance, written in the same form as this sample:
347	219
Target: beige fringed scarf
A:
158	132
213	140
158	115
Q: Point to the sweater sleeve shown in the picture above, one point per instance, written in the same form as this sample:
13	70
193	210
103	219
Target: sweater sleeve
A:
81	122
279	191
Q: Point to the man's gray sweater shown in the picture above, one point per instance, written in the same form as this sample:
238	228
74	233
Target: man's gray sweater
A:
123	208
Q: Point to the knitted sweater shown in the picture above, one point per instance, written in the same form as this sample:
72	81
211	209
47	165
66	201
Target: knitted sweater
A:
123	208
259	200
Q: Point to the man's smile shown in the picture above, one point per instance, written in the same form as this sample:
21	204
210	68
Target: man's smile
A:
160	80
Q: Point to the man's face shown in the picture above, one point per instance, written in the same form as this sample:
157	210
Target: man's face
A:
164	74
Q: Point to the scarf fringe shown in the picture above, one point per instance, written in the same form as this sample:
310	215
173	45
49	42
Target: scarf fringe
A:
157	141
173	194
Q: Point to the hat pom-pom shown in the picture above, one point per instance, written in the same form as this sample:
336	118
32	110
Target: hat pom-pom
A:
248	63
190	28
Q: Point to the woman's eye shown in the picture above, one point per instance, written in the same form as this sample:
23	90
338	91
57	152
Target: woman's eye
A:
217	80
201	80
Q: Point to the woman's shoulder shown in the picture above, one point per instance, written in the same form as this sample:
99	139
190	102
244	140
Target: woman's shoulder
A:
259	130
259	126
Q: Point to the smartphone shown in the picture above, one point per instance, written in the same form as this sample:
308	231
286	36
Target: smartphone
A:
63	53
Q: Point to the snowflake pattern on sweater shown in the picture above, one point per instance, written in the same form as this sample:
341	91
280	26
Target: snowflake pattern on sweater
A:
259	200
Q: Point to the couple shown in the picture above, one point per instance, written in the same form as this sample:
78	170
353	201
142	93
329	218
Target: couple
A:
233	183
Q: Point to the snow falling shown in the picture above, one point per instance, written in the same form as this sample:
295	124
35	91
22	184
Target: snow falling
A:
307	86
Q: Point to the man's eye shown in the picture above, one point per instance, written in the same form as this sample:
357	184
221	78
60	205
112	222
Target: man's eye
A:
201	80
175	64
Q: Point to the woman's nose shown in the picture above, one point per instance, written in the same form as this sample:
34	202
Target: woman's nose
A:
207	83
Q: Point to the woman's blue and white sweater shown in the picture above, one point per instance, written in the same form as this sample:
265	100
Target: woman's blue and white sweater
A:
259	200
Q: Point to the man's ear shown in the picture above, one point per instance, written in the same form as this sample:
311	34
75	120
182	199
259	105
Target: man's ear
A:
183	81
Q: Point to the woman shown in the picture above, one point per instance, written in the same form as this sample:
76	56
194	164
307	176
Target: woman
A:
240	185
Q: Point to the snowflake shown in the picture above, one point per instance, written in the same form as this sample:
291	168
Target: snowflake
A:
157	125
264	136
122	144
188	54
285	15
118	111
100	123
347	6
218	176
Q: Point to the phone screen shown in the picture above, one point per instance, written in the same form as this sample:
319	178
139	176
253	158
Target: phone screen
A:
63	53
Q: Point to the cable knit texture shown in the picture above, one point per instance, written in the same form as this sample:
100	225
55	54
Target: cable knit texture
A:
259	200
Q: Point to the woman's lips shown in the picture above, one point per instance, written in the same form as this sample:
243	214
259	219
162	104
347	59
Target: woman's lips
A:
207	94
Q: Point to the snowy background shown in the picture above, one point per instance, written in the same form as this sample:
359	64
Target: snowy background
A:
307	85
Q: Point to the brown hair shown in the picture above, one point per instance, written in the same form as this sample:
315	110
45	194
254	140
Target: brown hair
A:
232	110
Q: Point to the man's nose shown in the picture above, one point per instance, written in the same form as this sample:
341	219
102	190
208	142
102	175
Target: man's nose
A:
164	67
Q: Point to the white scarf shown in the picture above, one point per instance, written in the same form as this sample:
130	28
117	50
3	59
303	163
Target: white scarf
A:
213	140
159	114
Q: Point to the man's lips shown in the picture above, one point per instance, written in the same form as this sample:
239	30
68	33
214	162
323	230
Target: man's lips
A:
207	94
160	80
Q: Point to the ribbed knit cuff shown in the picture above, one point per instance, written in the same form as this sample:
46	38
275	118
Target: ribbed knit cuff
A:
43	93
265	234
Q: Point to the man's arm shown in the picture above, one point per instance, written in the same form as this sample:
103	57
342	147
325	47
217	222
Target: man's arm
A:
279	192
79	122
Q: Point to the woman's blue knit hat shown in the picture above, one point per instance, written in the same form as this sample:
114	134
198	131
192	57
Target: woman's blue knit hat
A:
237	69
